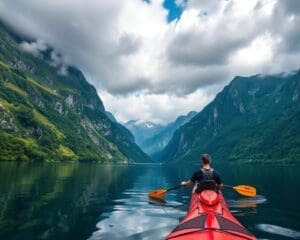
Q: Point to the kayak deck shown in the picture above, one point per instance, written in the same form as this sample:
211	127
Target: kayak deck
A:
209	221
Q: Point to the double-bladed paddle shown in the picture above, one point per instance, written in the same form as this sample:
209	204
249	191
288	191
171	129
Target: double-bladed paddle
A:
245	190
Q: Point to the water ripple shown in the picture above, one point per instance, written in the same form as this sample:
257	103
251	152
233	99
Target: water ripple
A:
278	230
246	202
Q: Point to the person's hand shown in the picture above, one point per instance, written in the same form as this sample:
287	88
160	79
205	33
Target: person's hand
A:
183	183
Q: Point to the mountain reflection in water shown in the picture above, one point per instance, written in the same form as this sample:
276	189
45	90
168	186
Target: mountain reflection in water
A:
92	201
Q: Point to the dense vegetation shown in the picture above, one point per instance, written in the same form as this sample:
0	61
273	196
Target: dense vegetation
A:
254	119
47	115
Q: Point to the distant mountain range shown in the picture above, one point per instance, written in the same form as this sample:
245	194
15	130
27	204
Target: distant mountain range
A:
253	120
151	137
46	114
142	130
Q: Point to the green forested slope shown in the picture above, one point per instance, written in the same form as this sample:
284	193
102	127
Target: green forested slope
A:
254	119
45	115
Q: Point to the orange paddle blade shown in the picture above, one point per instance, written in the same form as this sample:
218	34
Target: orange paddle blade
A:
158	193
246	190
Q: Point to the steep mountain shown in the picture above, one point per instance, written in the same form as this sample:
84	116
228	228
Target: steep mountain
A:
48	114
124	130
254	119
156	143
142	130
111	116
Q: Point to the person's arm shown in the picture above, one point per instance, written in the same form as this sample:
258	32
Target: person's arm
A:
191	181
186	183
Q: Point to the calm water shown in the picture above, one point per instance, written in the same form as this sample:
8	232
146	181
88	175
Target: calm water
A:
92	201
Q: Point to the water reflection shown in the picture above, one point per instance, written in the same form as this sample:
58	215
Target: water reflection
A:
157	201
134	217
277	230
91	201
246	202
50	201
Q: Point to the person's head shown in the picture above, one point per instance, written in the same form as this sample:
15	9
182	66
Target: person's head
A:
205	159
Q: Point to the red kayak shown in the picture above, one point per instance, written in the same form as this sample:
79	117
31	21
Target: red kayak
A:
209	218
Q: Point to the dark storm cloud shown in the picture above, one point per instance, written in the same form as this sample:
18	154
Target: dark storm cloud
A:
201	49
84	32
286	22
290	6
184	81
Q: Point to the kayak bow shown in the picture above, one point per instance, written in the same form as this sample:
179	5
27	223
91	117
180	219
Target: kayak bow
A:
209	218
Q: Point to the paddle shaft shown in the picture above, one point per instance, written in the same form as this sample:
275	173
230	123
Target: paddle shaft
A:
159	193
173	188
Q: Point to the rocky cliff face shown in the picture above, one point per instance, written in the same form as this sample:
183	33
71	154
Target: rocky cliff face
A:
254	119
49	115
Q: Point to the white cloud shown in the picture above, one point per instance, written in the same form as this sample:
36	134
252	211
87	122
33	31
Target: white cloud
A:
255	57
35	48
144	66
160	108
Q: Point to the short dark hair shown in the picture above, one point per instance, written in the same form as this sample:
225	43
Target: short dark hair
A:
205	158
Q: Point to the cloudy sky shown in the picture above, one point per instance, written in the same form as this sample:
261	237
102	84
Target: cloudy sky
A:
154	60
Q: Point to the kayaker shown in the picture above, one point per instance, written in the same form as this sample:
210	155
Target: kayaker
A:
205	178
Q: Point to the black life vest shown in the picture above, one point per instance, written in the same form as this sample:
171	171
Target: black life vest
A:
207	181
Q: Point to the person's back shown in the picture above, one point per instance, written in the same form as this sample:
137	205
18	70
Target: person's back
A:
205	178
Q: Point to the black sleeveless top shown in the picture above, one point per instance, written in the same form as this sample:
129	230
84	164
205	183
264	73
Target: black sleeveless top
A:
206	174
206	179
